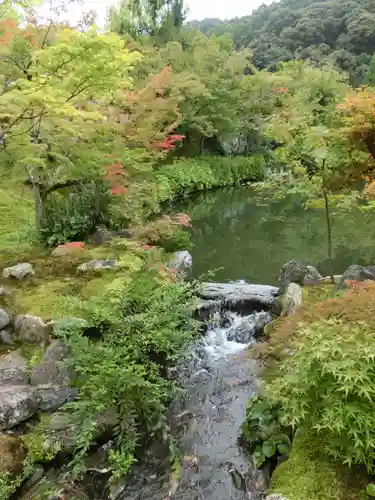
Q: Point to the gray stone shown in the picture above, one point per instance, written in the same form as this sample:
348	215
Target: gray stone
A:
248	327
52	370
13	360
97	265
13	376
51	398
293	271
242	297
31	329
63	428
17	404
313	273
5	319
56	351
19	271
357	273
181	261
6	337
51	373
291	301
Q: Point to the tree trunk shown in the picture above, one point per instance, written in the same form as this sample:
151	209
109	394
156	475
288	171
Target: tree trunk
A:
370	143
329	234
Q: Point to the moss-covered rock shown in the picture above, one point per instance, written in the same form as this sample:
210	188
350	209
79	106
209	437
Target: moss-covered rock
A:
309	475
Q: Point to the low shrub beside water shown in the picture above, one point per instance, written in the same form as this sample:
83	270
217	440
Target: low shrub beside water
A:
323	388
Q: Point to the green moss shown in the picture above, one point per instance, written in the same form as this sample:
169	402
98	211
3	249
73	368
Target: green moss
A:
49	299
316	293
310	475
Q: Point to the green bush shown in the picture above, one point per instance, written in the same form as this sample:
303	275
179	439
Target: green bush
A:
74	216
188	175
148	326
264	435
328	385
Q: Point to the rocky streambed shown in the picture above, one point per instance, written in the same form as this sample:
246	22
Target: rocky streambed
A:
219	378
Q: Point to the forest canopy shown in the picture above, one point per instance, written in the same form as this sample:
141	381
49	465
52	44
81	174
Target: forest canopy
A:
336	32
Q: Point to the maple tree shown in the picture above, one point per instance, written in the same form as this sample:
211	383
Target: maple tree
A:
358	112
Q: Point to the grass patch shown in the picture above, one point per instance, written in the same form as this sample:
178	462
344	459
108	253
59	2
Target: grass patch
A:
309	475
17	222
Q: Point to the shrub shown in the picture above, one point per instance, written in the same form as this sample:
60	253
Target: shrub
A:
263	433
149	325
166	232
74	216
328	385
351	307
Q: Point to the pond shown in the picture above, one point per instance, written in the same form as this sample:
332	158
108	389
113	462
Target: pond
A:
238	234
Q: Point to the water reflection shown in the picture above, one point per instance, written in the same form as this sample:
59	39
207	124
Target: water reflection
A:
251	238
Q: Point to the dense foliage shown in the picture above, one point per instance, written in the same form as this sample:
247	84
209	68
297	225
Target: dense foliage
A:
336	32
103	127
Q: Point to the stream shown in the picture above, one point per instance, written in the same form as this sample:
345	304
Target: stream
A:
236	236
219	379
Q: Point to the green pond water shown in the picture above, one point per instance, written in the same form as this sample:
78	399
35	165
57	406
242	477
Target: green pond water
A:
237	234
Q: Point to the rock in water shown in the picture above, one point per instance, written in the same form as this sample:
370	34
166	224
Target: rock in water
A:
356	273
12	454
291	300
293	272
182	261
19	271
240	297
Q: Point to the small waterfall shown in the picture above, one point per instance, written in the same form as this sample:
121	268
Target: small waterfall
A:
219	379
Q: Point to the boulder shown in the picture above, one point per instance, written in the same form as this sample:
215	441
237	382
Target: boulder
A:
97	265
56	351
12	454
5	319
248	327
6	337
181	261
31	329
19	271
13	376
357	273
13	360
63	429
239	296
51	398
51	373
293	271
17	404
291	301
